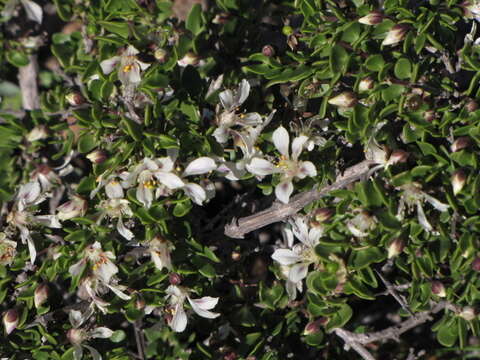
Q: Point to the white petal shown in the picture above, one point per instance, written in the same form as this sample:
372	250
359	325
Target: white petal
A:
297	146
422	219
119	292
199	166
201	306
170	180
109	65
179	320
298	272
143	66
291	288
435	203
77	352
221	134
260	167
95	354
281	139
283	191
48	220
306	168
356	231
226	99
314	235
242	93
77	268
33	10
31	249
101	332
288	236
161	259
29	192
144	195
195	192
250	119
127	234
300	230
286	257
114	190
130	51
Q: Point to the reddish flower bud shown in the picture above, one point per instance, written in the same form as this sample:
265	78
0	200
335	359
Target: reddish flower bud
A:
76	336
10	320
471	106
476	264
75	98
429	115
97	156
395	35
40	295
438	288
314	326
174	279
395	248
373	18
458	181
268	50
398	156
461	143
346	99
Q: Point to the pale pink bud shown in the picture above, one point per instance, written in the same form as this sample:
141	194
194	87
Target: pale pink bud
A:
346	99
174	279
458	181
40	295
97	156
77	207
38	133
268	50
395	248
323	214
366	84
373	18
190	58
161	55
76	336
10	320
468	313
395	35
438	288
471	106
398	156
313	327
460	144
429	115
75	98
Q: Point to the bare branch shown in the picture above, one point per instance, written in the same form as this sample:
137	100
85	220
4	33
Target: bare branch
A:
392	291
27	77
359	348
278	211
137	327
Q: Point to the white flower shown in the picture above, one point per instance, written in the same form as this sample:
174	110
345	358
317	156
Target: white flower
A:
76	207
414	196
228	117
361	224
33	10
159	250
117	208
300	256
176	296
288	166
129	67
8	250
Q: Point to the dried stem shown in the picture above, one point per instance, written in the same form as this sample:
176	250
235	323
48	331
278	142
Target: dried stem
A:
392	291
27	77
278	211
137	327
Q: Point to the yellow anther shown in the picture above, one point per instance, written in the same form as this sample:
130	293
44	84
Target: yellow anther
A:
127	68
149	184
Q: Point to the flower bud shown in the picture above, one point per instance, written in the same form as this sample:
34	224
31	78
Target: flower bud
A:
161	55
398	156
346	99
458	181
395	35
38	133
10	320
190	58
314	326
236	256
221	18
268	50
97	156
429	115
75	98
468	313
323	214
174	279
76	336
373	18
471	106
395	248
460	144
476	264
230	356
40	295
366	84
438	288
77	207
139	303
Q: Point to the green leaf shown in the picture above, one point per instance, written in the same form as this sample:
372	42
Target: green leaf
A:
375	62
365	257
116	27
447	335
86	143
17	58
182	208
403	68
194	21
339	318
118	336
339	59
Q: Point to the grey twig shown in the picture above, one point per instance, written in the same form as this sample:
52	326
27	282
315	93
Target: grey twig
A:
27	77
279	212
392	291
137	327
356	340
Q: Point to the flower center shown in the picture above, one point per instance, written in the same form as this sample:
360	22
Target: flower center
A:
149	184
127	68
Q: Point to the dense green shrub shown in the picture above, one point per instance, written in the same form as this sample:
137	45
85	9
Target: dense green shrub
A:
138	150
